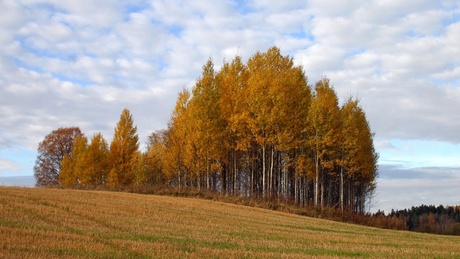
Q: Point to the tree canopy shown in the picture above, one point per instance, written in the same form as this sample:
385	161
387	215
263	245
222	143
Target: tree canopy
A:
51	151
123	149
255	129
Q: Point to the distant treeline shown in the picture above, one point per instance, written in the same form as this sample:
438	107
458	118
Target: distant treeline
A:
426	218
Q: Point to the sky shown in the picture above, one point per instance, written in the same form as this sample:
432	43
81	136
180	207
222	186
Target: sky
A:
79	63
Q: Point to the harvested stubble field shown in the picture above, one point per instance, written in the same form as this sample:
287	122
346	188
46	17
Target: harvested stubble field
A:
52	223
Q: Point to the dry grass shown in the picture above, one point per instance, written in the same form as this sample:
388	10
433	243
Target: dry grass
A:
50	223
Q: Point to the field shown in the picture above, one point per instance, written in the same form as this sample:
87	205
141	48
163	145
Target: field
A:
52	223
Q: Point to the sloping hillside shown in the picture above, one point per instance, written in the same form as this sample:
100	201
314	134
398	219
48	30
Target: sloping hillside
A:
69	223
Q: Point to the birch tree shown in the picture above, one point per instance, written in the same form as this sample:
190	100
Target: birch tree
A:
324	122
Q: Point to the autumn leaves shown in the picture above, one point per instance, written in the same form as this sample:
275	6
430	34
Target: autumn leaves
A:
259	130
255	130
95	165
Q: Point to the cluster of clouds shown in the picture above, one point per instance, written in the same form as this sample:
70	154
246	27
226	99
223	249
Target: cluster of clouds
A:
79	63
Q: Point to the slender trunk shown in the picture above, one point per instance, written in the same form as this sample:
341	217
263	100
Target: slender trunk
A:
207	177
284	185
224	178
249	155
263	171
208	165
234	172
184	179
316	178
302	190
178	175
252	180
199	182
305	189
296	190
277	175
350	195
341	188
322	190
272	158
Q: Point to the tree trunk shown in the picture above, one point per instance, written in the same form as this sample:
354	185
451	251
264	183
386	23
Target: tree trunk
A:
235	170
263	171
296	190
341	188
322	190
316	178
224	179
178	176
271	180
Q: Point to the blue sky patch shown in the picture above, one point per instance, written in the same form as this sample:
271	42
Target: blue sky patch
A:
75	80
22	64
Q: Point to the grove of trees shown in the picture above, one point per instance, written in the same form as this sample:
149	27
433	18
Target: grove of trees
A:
256	130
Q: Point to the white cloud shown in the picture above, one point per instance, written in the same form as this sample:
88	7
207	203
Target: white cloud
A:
79	63
364	47
278	6
87	12
383	144
334	8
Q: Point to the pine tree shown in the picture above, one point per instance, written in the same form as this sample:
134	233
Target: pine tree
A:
96	162
204	146
73	166
123	150
176	140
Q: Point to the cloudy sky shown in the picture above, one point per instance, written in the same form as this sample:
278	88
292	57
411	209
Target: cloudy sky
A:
79	63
